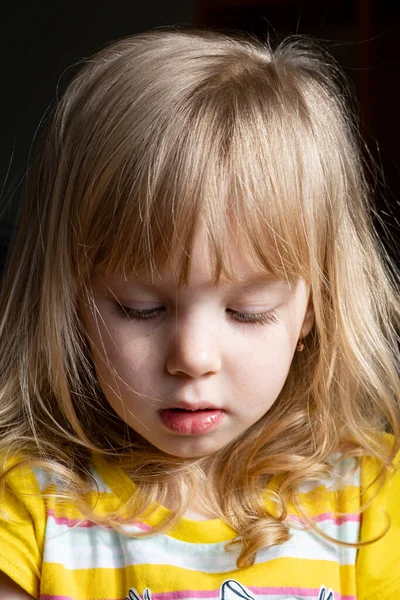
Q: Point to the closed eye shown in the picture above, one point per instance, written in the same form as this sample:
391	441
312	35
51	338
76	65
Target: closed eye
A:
145	314
262	318
136	314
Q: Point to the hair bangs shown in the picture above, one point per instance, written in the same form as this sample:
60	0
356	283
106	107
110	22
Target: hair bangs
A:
235	158
158	204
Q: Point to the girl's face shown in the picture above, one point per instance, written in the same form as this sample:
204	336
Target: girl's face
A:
192	368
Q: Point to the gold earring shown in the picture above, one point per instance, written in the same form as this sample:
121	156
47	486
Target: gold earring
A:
300	346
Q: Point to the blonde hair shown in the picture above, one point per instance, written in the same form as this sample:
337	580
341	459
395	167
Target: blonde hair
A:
157	134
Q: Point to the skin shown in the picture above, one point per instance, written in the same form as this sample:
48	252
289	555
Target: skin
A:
10	590
197	347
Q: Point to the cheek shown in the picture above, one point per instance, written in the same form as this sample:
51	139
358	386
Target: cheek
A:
135	364
127	359
266	364
272	350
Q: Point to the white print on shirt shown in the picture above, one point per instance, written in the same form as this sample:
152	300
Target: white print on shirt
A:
232	590
325	594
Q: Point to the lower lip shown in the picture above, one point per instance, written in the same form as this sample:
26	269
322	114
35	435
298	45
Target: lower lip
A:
187	422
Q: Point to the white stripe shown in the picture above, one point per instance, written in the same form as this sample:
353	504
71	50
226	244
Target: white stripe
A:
97	547
344	474
45	479
261	597
100	484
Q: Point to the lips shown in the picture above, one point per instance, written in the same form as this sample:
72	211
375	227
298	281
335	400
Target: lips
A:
185	418
191	407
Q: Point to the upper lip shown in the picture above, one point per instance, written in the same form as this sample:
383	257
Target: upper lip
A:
191	406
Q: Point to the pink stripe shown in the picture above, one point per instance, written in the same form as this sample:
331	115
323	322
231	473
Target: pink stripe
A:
265	591
353	517
215	594
270	591
51	597
86	523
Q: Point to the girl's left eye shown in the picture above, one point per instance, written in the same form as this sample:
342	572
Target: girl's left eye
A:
136	314
145	314
262	318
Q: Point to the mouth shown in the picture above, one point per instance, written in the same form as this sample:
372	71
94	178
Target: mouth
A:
177	409
183	407
191	421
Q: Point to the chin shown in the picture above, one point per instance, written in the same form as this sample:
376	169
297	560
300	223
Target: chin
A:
189	449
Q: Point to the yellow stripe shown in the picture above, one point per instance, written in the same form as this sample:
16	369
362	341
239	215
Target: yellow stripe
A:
164	578
314	503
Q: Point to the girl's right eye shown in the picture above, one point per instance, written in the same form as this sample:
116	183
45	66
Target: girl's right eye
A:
137	314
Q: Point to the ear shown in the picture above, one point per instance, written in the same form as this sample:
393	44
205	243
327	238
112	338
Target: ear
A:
309	319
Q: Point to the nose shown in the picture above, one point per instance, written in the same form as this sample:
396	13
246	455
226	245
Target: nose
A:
194	350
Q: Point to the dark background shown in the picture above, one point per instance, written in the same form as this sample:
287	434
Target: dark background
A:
41	42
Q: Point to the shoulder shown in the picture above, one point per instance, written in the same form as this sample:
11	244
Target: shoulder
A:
40	490
35	509
23	518
24	490
24	481
378	563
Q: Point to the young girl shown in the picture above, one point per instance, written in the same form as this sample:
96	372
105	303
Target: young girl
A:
199	395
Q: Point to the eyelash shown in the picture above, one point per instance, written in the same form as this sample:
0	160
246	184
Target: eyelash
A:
264	318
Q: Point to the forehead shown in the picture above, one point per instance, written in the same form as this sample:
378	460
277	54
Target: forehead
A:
168	280
238	265
242	272
206	257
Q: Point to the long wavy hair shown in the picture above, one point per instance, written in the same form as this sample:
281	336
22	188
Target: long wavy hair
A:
158	134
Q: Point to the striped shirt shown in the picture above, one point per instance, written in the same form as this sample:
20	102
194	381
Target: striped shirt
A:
50	552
